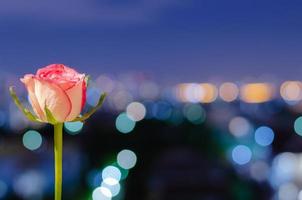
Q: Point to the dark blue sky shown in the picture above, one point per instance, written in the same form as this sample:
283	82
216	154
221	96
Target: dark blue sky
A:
178	40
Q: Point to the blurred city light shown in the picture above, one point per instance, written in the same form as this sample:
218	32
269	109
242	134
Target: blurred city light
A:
30	185
32	140
283	168
194	113
291	91
298	126
210	93
241	154
228	91
194	92
111	175
126	159
121	99
124	124
114	189
136	111
189	92
300	195
256	92
264	136
105	83
240	126
101	193
288	191
73	128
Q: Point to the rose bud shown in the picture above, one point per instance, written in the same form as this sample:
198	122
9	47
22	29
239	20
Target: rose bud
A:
58	88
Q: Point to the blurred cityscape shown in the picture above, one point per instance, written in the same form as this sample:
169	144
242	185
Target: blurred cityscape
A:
211	140
204	99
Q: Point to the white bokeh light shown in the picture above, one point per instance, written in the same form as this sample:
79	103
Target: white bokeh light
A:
126	159
239	127
114	189
288	191
101	193
111	175
136	111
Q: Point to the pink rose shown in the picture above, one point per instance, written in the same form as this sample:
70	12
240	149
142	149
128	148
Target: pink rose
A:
59	88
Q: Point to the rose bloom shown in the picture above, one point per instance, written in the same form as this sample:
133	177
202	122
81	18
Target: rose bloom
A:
59	88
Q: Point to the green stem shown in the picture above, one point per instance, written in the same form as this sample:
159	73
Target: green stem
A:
58	152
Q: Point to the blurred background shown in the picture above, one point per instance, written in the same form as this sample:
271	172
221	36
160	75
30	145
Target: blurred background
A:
204	99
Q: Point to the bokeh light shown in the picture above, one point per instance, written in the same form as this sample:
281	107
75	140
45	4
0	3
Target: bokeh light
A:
114	189
264	136
101	193
241	154
32	140
283	168
228	91
291	91
136	111
73	128
30	185
124	124
126	159
300	195
194	113
240	126
121	99
210	93
288	191
111	175
256	92
298	126
105	83
191	92
194	92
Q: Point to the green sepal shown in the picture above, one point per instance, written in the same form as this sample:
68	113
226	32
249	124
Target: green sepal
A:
25	111
87	80
93	110
50	118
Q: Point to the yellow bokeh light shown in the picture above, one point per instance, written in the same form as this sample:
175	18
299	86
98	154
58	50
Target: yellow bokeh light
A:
210	93
180	92
291	90
256	92
228	91
194	92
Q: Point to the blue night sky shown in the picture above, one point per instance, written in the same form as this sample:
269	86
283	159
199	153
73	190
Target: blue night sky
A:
173	40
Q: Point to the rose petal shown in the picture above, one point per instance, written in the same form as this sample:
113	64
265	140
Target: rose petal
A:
84	89
61	75
30	86
54	98
75	95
